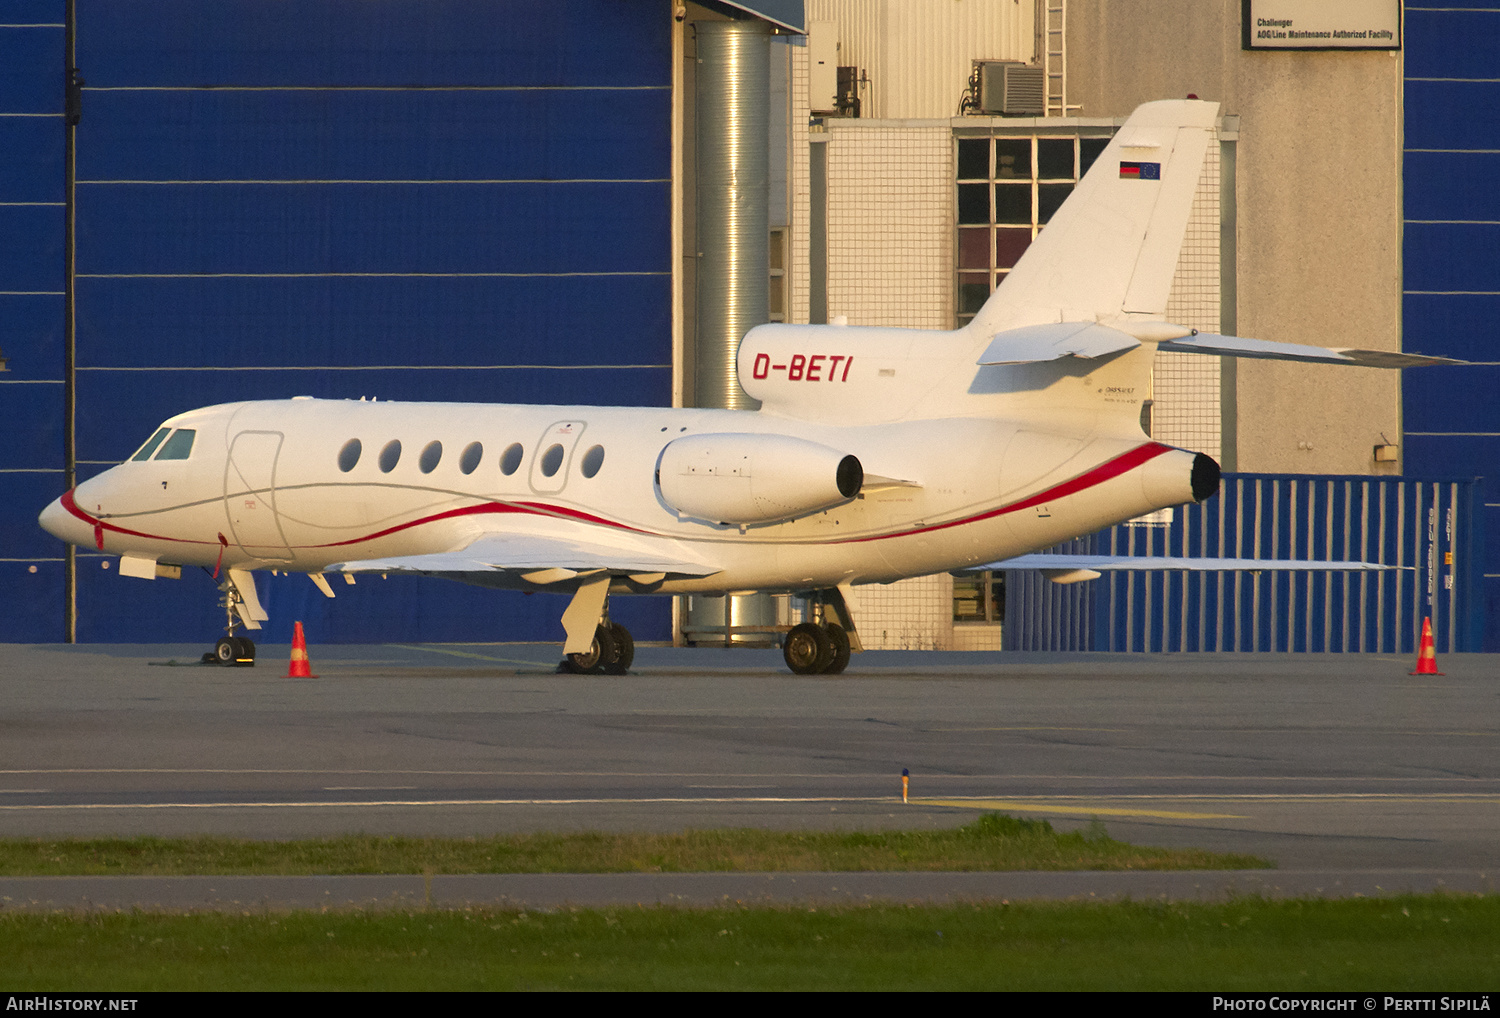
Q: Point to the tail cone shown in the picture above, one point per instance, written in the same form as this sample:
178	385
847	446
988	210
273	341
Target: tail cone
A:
301	667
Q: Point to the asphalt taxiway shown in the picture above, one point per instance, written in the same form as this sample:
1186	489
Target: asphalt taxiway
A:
1338	764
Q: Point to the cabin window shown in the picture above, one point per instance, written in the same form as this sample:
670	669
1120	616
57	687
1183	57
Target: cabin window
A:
511	460
593	460
469	459
178	446
551	460
349	455
390	456
150	446
430	457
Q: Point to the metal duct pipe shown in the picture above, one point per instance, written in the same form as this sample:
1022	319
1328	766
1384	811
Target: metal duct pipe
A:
733	172
732	103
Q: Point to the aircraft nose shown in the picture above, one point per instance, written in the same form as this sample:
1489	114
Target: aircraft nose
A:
57	521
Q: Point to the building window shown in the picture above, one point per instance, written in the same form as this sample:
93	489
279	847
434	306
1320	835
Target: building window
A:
979	598
1009	185
776	292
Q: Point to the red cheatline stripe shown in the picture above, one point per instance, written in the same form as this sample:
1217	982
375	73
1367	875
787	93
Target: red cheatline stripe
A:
100	525
524	508
1104	472
491	508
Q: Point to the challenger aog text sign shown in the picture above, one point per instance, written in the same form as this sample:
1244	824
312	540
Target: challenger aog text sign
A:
1321	24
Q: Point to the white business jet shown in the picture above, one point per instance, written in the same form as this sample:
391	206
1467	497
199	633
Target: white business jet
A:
876	454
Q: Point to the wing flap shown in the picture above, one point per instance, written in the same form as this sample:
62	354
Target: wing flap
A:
548	558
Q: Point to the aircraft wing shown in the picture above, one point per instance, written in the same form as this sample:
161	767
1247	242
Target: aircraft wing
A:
1063	568
537	558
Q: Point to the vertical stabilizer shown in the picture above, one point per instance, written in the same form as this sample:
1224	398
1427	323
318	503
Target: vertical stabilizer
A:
1111	250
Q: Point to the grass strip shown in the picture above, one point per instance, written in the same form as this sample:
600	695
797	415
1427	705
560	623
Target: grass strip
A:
992	842
1434	942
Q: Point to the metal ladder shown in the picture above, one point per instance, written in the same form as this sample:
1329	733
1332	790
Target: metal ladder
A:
1055	57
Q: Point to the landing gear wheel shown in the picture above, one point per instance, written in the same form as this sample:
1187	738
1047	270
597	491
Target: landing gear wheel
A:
807	649
624	650
247	652
227	651
592	661
841	650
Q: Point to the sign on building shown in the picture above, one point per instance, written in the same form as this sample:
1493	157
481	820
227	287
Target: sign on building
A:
1321	24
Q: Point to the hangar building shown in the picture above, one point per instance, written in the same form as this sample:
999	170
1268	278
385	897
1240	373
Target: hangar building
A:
496	202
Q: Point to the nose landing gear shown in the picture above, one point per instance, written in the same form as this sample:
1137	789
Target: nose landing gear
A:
232	651
240	612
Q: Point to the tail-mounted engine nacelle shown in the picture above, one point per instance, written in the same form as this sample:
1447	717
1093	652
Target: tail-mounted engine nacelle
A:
745	479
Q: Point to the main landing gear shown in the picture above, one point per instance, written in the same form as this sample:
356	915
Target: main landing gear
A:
813	649
611	653
595	645
240	612
822	646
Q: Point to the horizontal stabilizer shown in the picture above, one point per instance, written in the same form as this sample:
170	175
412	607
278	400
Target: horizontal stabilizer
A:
1238	346
1034	344
546	559
1122	563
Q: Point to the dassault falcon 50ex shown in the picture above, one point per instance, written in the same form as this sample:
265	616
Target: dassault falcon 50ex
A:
876	454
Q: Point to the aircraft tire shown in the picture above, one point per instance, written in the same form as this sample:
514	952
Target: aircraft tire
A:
247	652
592	661
226	651
807	649
841	649
624	650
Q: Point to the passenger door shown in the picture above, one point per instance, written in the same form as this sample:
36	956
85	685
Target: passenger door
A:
554	456
250	495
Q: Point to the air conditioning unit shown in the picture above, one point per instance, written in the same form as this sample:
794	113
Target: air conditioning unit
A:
1012	89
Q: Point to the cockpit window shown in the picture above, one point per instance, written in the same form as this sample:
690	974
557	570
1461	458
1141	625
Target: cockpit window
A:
178	446
150	446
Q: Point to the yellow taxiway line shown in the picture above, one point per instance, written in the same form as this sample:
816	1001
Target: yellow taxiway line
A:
1091	809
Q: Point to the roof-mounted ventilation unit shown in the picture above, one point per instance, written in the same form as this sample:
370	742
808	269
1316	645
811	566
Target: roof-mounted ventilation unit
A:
1011	89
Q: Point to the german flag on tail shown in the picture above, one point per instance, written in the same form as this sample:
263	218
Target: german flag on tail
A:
1140	171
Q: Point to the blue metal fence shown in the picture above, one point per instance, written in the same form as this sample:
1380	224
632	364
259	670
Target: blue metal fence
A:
1427	531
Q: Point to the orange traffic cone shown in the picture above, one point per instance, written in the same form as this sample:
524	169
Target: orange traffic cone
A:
301	667
1427	653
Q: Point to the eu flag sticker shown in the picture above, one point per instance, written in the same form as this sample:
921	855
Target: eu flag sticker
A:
1140	171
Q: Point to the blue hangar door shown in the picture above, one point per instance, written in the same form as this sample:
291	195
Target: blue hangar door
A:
405	199
1451	262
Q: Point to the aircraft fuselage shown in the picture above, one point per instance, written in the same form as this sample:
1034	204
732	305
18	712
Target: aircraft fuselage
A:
264	486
